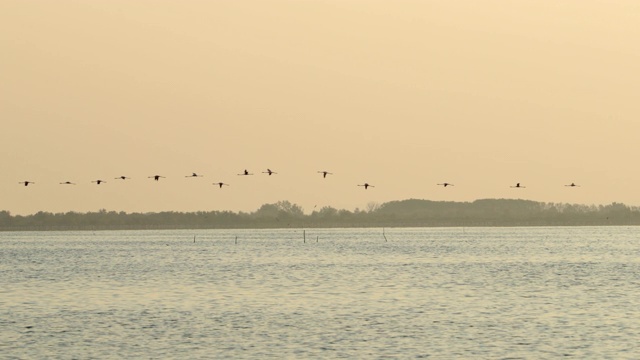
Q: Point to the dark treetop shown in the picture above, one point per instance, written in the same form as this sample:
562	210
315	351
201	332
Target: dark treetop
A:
283	214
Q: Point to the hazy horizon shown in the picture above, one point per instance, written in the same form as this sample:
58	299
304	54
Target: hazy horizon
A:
401	95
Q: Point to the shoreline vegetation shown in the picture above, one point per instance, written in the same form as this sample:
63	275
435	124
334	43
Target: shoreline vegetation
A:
283	214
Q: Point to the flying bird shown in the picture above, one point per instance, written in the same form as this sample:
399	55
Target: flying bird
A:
325	173
573	185
245	173
26	183
156	177
366	186
67	183
519	186
269	172
122	178
220	184
99	182
445	184
194	175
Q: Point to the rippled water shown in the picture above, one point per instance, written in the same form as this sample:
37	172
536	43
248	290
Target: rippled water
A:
345	293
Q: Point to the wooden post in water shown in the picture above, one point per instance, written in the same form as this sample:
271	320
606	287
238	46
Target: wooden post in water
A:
194	238
236	240
385	237
304	236
317	238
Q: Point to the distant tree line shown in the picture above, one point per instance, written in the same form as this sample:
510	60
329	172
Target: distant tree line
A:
283	214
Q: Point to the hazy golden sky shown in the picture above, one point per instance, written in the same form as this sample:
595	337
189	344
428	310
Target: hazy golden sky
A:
401	94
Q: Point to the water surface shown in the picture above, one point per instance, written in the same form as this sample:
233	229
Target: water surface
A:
438	293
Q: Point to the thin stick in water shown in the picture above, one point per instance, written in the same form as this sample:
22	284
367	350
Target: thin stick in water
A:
383	235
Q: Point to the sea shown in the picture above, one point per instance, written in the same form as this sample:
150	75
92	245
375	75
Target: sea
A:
371	293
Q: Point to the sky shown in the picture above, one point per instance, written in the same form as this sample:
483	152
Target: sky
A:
400	94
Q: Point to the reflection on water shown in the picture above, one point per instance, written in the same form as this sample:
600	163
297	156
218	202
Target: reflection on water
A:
437	293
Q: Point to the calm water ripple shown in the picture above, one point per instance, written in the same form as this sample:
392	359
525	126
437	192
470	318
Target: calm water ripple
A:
494	293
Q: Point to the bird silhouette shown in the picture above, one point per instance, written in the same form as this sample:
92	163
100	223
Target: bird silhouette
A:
194	175
519	186
325	173
156	177
67	183
245	173
220	184
445	184
269	172
366	186
98	181
26	183
573	185
122	178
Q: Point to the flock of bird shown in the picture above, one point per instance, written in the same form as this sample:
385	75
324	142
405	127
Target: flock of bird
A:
247	173
193	175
